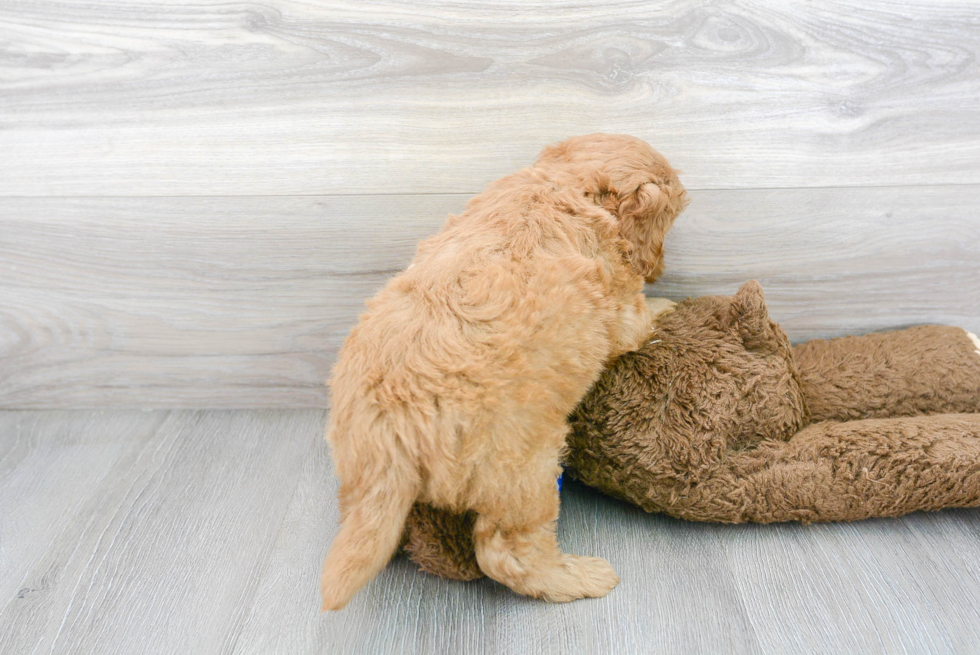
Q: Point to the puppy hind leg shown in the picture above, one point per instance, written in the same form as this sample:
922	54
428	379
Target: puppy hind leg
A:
516	546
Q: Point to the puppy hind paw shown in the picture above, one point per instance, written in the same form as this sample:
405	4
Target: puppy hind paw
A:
581	577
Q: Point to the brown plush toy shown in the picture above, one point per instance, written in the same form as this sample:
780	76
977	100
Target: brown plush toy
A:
718	418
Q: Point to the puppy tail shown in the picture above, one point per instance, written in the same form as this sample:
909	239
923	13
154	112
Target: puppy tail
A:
376	510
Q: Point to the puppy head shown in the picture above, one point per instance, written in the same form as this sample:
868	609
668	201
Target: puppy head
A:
631	180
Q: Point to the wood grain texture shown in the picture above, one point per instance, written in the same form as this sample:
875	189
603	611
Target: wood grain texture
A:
205	532
835	261
165	547
51	465
876	586
243	302
677	594
279	97
196	302
183	224
883	585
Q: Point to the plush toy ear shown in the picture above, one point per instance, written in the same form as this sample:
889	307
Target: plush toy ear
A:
751	316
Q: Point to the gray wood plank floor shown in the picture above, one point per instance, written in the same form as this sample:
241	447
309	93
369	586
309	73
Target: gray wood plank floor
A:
203	532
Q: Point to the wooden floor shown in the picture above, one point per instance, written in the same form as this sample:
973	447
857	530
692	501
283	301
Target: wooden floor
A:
203	532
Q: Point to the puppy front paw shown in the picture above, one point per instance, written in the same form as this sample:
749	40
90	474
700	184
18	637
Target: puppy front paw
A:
975	340
660	306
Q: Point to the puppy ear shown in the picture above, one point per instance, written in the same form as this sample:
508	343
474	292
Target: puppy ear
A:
554	153
750	316
647	200
644	218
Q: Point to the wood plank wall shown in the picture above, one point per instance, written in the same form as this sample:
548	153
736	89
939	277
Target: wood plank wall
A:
197	197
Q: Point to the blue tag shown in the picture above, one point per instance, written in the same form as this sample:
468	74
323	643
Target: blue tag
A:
558	481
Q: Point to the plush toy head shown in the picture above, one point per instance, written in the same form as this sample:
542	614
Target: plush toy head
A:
717	375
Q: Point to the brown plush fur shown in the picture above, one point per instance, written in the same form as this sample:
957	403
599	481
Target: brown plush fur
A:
709	421
441	542
834	471
454	387
921	370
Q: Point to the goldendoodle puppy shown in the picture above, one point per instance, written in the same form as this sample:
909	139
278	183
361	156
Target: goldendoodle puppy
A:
454	387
